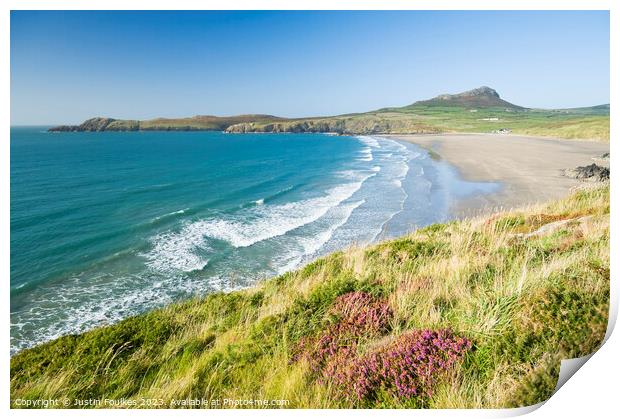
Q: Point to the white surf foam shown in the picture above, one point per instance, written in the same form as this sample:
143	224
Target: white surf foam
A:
349	174
366	154
272	221
182	211
81	303
369	141
174	251
310	245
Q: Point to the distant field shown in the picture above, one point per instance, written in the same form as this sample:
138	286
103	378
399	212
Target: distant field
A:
570	124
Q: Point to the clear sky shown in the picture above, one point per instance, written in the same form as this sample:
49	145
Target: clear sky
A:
69	66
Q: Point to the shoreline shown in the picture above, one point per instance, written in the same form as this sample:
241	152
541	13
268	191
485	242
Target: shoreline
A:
517	188
529	169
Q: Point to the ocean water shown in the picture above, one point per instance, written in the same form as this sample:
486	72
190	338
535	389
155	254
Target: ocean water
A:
108	225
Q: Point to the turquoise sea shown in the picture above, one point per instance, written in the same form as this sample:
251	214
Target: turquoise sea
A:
108	225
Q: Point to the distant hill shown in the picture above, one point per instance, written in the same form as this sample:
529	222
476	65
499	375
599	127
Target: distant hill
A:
590	110
482	97
477	110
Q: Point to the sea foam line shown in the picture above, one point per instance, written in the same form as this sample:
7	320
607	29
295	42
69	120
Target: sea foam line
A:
311	245
399	158
273	221
366	154
177	250
369	141
80	305
182	211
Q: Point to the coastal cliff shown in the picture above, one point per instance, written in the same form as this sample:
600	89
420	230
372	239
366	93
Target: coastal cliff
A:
99	124
371	124
478	110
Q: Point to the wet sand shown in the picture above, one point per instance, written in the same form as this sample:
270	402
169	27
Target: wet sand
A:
530	169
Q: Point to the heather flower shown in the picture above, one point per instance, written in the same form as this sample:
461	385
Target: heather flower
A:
356	315
410	366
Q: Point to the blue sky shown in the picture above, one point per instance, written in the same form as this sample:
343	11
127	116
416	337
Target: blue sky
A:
69	66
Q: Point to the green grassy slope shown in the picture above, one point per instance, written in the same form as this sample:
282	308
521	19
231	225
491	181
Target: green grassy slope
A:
524	289
567	124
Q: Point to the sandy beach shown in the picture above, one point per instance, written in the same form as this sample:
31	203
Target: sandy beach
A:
529	169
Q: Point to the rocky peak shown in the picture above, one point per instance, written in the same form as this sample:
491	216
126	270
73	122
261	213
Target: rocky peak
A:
483	91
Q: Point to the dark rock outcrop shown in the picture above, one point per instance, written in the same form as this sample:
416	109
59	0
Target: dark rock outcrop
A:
592	173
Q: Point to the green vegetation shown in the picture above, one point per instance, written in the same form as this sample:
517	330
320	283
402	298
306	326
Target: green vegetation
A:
521	295
477	111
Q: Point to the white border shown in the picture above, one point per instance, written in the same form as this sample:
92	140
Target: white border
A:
593	389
